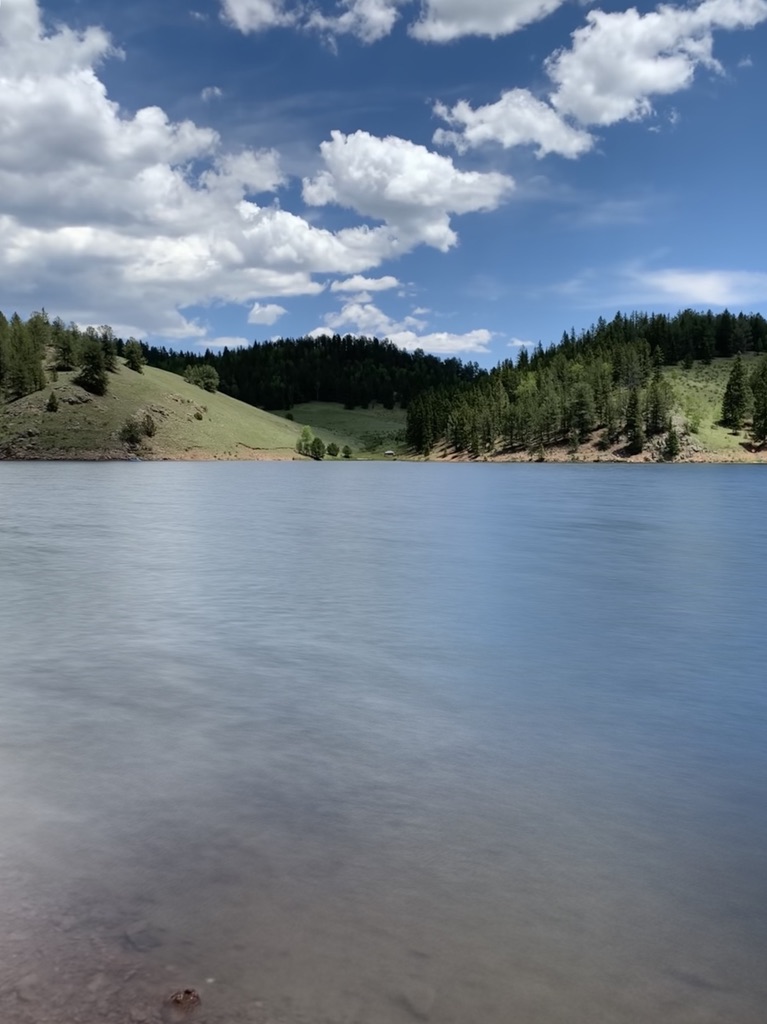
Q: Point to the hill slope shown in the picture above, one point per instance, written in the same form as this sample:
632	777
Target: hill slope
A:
190	423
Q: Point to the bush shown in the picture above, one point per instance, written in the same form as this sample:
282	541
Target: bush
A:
132	431
304	443
197	414
136	428
289	416
346	451
203	375
317	450
92	375
333	449
134	355
52	405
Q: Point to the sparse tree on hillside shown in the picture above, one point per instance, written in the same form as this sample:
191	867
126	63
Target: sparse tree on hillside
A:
634	426
736	396
304	442
92	375
759	389
672	446
346	451
318	449
333	449
134	355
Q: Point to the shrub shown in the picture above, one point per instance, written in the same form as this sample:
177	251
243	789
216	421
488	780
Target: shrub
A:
203	375
148	425
317	450
134	355
346	451
52	405
333	449
197	414
132	431
92	375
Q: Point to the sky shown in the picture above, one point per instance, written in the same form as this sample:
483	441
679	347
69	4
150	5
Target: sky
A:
461	176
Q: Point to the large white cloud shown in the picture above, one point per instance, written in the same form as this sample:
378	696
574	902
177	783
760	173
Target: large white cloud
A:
106	216
363	318
442	21
368	20
516	119
403	184
358	283
439	21
701	287
257	15
617	62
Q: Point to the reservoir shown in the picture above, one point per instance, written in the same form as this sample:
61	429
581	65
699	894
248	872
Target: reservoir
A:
373	743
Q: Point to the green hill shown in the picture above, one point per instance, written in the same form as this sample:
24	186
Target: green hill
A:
370	432
190	423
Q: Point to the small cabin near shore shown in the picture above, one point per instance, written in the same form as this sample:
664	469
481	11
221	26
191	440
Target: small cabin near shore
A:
389	453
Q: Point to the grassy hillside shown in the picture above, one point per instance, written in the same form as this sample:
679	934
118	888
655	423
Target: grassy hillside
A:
190	423
699	393
368	432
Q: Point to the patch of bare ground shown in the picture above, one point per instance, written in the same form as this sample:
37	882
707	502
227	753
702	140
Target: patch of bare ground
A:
691	451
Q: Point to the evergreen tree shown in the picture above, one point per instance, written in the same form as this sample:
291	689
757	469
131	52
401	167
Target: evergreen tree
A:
672	446
736	396
634	426
759	389
333	449
317	449
134	355
93	374
346	451
52	405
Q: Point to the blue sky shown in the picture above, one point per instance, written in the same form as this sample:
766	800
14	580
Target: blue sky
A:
458	175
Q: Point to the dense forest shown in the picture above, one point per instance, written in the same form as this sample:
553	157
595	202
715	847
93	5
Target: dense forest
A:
353	371
609	378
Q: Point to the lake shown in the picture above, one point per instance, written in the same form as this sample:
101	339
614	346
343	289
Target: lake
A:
367	743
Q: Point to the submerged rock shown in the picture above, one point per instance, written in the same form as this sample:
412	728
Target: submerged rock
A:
180	1005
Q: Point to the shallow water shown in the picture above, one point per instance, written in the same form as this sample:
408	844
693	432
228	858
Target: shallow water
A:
367	743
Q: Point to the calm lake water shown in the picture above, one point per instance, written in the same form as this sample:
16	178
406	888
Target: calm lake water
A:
373	743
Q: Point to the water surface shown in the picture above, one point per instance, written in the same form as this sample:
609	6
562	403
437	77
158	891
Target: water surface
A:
369	743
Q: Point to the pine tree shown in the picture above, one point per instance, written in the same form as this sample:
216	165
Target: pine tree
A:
672	446
736	396
134	355
92	375
759	389
634	426
317	450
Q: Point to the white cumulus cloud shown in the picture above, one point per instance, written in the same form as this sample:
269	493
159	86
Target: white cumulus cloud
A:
442	21
411	189
358	283
363	318
618	61
516	119
368	20
257	15
266	313
130	218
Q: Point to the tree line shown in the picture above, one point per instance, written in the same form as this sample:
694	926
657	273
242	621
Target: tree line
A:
350	370
609	378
